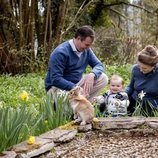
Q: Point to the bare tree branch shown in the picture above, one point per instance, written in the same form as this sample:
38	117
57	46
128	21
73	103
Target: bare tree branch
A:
79	13
119	13
129	4
47	19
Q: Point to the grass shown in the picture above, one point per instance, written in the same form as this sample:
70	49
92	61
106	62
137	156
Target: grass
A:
20	118
11	88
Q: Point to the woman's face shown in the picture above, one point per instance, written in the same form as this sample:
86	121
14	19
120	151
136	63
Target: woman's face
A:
145	68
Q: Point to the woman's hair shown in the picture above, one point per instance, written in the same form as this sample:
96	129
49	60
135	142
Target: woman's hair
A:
148	56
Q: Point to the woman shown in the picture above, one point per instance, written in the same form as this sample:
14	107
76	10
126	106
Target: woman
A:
143	87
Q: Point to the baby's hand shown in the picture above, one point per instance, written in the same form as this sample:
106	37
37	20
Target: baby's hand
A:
99	99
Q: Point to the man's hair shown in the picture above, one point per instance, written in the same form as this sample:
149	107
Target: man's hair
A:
84	32
148	56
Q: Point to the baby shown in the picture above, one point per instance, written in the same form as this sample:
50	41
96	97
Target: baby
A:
115	100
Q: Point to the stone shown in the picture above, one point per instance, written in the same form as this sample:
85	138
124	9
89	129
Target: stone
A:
152	122
8	154
35	152
66	137
24	147
85	128
59	135
118	123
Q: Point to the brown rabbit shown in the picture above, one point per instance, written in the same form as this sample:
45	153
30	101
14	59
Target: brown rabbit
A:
82	108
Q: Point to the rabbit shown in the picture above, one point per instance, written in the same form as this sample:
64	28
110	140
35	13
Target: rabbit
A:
82	108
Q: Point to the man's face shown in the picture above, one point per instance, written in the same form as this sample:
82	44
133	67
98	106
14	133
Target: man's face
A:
83	45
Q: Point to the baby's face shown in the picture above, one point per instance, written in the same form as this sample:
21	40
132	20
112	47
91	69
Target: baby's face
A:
116	86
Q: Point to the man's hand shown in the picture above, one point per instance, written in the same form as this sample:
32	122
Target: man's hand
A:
88	84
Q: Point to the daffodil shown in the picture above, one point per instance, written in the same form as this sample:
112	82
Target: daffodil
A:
24	96
141	95
31	140
95	119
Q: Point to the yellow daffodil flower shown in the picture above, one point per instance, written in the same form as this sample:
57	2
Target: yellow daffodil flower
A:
31	140
24	96
95	119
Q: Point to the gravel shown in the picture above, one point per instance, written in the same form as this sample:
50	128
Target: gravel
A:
95	144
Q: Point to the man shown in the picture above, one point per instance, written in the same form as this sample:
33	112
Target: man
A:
69	61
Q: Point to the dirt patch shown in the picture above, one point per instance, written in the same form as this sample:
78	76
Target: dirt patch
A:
118	144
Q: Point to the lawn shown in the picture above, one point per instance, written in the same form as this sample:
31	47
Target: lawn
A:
26	110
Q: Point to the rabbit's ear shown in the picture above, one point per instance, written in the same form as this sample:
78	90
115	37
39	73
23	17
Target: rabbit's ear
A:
78	88
76	92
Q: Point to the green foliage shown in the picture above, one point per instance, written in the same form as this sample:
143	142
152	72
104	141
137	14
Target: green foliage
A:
13	125
15	114
104	20
53	115
124	71
97	111
21	118
11	87
145	109
17	124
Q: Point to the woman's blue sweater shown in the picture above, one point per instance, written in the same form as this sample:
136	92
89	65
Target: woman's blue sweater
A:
148	83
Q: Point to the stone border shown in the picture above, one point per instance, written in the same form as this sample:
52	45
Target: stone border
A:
126	123
48	140
43	143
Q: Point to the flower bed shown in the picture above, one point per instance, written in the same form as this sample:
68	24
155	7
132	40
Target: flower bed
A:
110	137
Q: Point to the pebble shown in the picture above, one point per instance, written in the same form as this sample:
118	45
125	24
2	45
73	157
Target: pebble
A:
103	146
